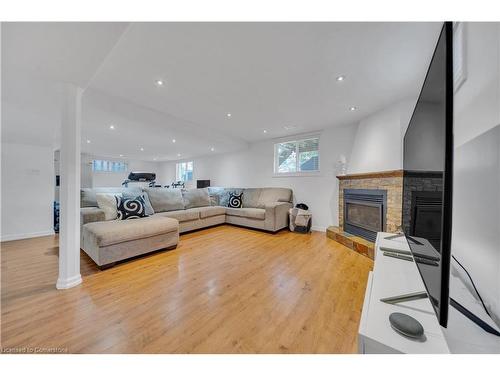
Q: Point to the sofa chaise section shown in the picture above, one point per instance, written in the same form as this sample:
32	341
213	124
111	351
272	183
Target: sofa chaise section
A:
107	242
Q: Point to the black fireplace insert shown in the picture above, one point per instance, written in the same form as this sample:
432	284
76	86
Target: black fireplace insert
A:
365	212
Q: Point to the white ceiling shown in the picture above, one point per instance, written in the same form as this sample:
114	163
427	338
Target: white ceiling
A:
267	75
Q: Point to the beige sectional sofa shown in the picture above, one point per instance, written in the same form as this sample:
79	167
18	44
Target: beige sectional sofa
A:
175	212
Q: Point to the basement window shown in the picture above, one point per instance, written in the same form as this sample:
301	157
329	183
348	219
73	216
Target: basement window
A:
109	166
297	157
184	171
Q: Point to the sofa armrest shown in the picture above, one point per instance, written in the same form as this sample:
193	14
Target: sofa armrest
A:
277	214
90	215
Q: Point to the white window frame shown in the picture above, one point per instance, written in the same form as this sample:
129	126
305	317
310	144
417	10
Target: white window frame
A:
177	177
298	173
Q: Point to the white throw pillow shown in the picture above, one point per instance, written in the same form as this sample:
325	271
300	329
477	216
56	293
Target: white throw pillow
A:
107	203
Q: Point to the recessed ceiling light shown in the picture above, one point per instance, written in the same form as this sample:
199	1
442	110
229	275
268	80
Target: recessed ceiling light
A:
142	148
178	155
155	158
121	155
340	78
111	127
352	108
265	131
159	82
173	141
88	140
212	149
228	115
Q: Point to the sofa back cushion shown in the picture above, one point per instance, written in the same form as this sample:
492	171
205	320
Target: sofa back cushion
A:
272	195
251	198
163	199
196	198
88	195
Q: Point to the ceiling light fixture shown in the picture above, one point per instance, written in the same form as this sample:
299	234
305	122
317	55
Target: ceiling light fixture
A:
352	109
173	141
142	149
340	78
112	127
88	140
212	149
159	82
121	155
228	115
265	131
179	155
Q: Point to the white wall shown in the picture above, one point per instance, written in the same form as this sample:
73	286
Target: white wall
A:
477	101
28	182
254	168
378	143
476	196
476	213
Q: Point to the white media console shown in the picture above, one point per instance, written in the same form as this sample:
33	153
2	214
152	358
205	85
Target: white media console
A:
392	277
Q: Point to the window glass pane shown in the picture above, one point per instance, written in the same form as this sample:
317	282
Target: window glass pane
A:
108	166
189	171
185	171
287	158
309	155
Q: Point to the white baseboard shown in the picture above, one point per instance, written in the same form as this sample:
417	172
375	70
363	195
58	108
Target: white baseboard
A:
22	236
318	229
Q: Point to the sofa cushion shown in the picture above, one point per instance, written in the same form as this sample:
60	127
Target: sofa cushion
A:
214	200
107	203
130	208
107	233
91	214
211	211
88	195
147	204
252	213
235	200
251	197
164	200
272	195
181	215
196	198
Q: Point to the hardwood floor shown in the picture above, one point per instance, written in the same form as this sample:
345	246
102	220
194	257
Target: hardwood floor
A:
223	290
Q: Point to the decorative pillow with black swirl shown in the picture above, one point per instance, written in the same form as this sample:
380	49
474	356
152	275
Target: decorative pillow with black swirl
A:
130	208
235	200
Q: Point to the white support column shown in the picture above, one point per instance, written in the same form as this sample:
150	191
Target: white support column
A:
69	230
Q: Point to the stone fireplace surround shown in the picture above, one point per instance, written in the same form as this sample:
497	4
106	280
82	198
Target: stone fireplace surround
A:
392	183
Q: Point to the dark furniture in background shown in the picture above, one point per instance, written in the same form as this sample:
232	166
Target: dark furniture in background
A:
202	184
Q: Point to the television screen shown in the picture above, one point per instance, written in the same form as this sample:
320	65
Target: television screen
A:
428	148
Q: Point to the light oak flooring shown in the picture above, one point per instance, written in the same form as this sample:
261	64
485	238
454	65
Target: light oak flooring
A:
223	290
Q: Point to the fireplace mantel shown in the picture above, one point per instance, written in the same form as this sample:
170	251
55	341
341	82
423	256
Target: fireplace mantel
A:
362	176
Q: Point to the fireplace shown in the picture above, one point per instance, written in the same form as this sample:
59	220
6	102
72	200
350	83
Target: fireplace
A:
365	212
426	216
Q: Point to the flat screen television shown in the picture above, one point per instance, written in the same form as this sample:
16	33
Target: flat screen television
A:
427	177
